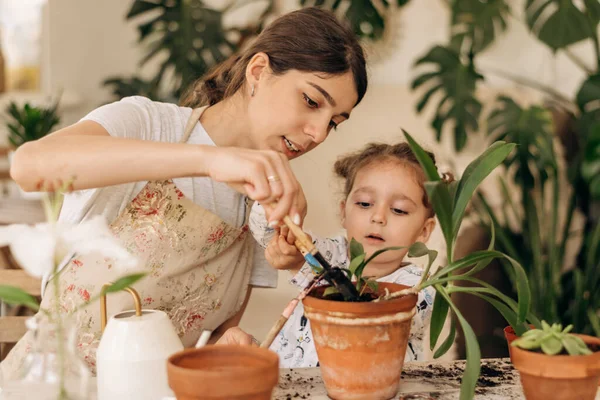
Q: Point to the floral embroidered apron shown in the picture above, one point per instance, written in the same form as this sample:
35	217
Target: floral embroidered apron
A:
198	268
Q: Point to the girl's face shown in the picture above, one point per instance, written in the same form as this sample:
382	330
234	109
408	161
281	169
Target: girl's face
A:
385	208
294	112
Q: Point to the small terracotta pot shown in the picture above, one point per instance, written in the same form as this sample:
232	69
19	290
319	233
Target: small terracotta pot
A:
361	346
223	372
558	377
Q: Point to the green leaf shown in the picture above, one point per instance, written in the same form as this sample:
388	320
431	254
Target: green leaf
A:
189	39
356	249
588	94
551	346
438	318
378	252
557	23
531	129
592	10
419	249
478	23
356	262
594	321
489	289
473	368
446	344
523	291
456	82
424	159
506	311
484	263
330	290
123	283
440	200
468	260
573	346
474	174
16	296
366	17
141	6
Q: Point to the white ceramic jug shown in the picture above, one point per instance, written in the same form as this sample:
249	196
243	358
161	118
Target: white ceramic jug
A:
132	354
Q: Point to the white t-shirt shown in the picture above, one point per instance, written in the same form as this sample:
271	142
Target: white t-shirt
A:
140	118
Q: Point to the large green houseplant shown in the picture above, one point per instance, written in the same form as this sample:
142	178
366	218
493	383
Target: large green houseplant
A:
188	37
27	123
537	228
194	38
449	200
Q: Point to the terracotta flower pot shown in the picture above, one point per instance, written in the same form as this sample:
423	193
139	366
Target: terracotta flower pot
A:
560	377
223	372
361	346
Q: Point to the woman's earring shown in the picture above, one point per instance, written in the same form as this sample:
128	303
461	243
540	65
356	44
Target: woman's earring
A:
252	91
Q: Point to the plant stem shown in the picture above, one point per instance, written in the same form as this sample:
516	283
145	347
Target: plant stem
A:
60	337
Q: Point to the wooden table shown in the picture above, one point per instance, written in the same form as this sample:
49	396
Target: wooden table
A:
438	380
21	211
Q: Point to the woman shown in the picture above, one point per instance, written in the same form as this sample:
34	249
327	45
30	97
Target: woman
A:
175	181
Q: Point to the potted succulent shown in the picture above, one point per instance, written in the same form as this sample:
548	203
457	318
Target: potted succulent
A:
361	345
556	364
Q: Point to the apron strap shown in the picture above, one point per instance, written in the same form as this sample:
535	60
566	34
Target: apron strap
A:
191	123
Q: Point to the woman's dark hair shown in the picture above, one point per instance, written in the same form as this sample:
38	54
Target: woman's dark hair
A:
307	40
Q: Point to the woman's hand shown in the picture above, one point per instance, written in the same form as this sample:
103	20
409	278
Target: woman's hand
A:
236	336
264	176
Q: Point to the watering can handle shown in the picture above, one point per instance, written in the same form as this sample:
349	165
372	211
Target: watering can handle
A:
136	300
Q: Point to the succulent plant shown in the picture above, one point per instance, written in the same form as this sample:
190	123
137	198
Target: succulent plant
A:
552	340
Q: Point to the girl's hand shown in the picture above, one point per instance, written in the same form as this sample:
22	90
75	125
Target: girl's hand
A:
281	252
264	176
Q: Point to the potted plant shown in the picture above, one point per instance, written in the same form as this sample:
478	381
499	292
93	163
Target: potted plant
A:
28	123
555	364
538	177
353	339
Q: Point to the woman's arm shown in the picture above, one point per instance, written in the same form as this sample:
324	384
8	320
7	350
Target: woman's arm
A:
87	153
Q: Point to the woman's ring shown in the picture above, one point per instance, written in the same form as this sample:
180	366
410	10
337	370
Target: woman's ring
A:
273	178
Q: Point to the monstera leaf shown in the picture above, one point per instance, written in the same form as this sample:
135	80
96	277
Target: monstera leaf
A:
529	128
187	36
456	82
559	23
588	101
367	19
477	22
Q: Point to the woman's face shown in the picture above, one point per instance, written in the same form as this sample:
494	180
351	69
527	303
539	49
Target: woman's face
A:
294	112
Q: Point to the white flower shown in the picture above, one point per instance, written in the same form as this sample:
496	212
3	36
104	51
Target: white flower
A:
39	248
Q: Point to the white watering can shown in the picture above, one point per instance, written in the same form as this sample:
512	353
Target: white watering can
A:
132	356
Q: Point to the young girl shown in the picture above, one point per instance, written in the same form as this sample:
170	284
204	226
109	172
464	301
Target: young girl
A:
385	205
174	182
